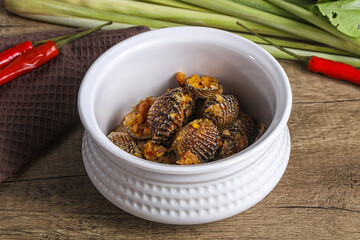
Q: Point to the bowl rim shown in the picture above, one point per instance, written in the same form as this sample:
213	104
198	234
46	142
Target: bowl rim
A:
90	124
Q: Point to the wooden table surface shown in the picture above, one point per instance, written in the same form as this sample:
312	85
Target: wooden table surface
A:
317	198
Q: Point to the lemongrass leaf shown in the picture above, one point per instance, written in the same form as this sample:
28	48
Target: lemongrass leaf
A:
51	7
177	15
278	22
72	21
177	4
267	7
344	15
316	20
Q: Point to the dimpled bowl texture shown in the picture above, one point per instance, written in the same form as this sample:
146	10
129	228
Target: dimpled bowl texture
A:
145	65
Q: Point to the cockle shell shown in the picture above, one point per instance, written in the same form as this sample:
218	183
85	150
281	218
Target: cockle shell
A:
196	113
125	142
120	128
199	106
261	130
222	111
168	113
201	91
248	123
233	139
200	136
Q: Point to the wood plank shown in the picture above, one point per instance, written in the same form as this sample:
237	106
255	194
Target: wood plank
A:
11	24
324	168
72	208
313	87
317	198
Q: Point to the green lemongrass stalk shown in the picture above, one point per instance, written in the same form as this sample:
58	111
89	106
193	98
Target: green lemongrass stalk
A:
314	19
303	59
267	7
72	21
173	3
177	15
354	61
278	22
51	7
295	44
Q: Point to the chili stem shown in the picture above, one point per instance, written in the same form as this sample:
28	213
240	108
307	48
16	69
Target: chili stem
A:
271	20
295	44
300	58
353	61
56	39
308	54
80	34
161	13
37	43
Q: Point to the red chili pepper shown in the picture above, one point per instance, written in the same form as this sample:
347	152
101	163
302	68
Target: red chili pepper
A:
10	54
336	70
35	57
28	61
13	52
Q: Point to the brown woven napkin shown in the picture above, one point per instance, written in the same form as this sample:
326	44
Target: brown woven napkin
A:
37	107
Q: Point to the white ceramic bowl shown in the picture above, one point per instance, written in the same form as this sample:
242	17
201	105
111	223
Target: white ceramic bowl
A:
144	66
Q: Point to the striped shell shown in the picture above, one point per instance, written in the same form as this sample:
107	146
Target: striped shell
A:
200	136
168	113
233	138
261	130
248	123
125	142
202	91
120	128
221	111
199	106
196	113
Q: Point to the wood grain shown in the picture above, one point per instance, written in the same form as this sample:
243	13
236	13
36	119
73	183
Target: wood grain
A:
317	198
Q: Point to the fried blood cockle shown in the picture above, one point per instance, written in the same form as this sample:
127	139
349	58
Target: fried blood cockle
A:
168	114
191	124
200	136
125	142
222	112
203	86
